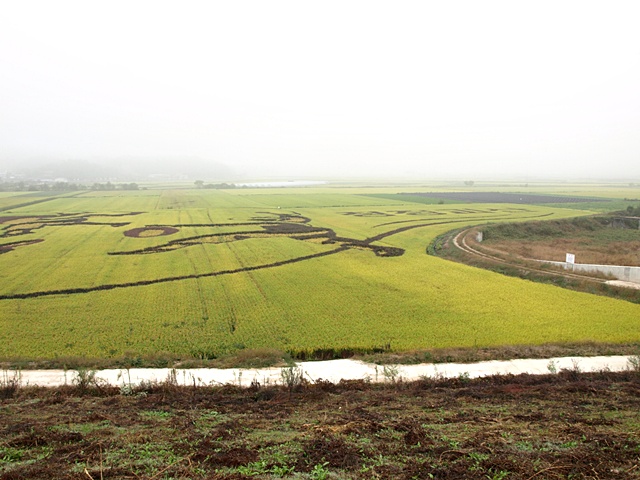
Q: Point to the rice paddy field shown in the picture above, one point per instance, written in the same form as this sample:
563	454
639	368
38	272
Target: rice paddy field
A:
204	273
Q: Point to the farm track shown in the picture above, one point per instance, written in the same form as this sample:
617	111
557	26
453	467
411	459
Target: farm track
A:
460	242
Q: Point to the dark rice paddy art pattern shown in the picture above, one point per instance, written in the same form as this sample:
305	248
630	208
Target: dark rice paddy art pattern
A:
392	213
21	225
9	247
277	225
293	226
146	232
284	225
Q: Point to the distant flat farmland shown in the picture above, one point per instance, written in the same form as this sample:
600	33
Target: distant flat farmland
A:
204	273
497	197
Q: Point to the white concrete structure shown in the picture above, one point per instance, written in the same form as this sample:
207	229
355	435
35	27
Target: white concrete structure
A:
621	272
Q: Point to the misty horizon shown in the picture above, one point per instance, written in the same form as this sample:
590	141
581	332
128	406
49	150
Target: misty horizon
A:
149	169
286	90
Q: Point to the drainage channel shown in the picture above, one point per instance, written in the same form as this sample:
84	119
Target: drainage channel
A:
330	370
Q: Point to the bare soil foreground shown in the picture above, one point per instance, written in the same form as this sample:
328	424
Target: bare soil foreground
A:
564	425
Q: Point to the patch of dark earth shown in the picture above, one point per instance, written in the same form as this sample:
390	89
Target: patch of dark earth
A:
525	427
497	197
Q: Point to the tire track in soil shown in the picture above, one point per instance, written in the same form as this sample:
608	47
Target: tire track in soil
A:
201	296
232	321
460	242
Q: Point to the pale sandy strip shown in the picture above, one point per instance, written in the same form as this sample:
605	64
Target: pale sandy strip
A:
331	370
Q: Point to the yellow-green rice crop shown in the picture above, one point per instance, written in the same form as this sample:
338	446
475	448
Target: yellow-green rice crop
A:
232	277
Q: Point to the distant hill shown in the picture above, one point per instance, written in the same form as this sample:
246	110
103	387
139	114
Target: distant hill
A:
126	169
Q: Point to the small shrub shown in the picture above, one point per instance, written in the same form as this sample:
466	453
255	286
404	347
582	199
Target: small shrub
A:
292	377
10	383
574	372
85	379
633	363
126	390
391	373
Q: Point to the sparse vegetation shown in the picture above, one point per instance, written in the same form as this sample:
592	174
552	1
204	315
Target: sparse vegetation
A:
565	425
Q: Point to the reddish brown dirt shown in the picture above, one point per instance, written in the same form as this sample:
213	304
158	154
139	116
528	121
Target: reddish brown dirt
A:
614	253
568	425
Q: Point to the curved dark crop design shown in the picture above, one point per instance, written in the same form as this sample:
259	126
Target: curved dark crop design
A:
29	224
285	225
293	226
8	247
138	232
140	283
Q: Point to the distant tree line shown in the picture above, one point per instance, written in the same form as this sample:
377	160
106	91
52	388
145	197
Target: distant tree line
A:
23	186
219	186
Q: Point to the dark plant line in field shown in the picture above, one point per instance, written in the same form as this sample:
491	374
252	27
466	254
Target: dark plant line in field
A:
60	219
299	230
468	219
411	227
141	283
9	247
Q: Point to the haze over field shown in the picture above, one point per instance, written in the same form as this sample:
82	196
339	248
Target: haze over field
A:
230	89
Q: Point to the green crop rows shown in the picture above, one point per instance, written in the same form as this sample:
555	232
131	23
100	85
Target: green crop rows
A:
203	273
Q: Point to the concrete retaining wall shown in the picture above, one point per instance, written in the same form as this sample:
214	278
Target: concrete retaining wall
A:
627	274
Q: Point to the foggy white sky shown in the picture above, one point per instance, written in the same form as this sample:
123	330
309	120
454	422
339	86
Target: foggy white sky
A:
472	89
